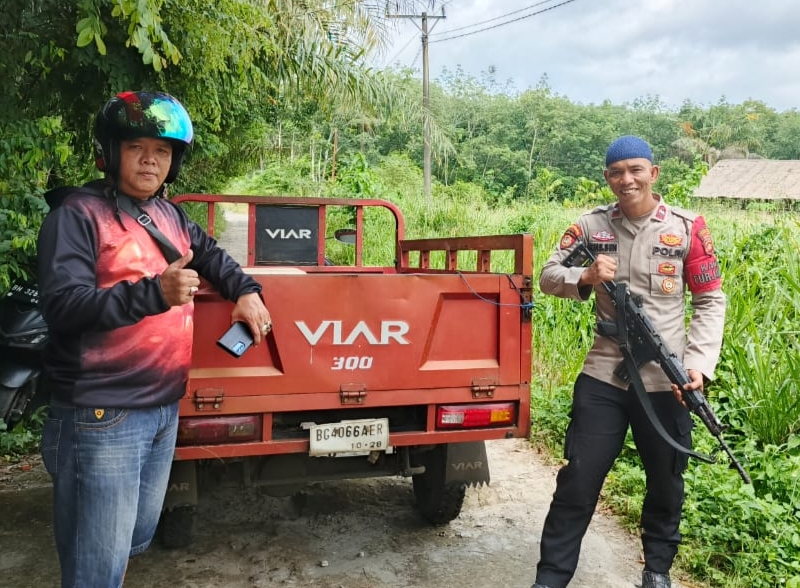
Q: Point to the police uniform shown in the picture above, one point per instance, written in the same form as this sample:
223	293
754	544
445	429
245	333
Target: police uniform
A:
660	257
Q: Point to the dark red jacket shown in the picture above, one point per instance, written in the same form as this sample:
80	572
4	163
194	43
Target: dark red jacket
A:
114	341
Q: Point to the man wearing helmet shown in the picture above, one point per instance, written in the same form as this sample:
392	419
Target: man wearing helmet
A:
120	319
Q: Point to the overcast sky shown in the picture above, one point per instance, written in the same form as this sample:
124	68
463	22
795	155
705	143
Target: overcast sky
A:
619	50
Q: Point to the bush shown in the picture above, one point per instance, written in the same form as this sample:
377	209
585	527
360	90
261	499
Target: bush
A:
24	438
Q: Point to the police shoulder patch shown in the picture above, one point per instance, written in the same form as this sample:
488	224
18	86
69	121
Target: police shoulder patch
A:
570	236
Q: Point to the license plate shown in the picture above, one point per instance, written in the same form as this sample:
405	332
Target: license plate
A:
349	437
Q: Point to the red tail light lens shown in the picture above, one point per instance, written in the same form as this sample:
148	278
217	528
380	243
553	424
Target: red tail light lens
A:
211	430
470	416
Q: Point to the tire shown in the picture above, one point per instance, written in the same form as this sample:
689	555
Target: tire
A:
15	405
6	402
438	502
176	527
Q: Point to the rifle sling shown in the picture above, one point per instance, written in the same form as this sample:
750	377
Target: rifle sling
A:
169	250
638	384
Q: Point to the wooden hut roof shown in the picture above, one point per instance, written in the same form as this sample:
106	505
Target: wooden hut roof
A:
757	179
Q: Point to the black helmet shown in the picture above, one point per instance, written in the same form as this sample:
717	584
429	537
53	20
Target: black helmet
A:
130	115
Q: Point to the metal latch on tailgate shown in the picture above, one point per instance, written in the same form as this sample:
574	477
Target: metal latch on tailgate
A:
483	387
352	393
208	398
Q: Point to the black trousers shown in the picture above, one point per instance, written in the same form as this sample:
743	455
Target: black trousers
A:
599	422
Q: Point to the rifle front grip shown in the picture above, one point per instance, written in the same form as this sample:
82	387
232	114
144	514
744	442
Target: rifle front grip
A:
607	328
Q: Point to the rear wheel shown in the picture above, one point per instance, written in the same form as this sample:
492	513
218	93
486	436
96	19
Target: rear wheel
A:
19	403
176	527
438	502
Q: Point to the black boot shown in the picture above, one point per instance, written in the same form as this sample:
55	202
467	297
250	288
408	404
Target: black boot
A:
539	586
654	580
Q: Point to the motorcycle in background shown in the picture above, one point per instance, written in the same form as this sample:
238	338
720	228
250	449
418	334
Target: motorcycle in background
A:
23	334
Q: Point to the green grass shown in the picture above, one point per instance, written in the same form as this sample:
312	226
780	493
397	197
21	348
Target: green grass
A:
734	535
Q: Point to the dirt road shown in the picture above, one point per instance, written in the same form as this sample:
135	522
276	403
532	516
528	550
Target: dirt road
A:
350	534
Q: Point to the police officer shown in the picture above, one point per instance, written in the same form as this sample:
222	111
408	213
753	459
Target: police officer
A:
659	251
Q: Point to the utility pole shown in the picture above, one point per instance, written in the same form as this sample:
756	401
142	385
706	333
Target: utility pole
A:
426	99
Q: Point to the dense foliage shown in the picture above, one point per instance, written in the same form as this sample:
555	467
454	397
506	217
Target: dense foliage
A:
245	70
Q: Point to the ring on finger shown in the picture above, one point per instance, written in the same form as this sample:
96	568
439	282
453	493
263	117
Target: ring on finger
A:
267	326
192	290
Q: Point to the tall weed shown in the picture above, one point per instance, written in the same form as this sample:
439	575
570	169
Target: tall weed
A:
761	357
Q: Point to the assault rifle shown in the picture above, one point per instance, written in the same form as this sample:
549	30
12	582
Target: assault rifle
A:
640	343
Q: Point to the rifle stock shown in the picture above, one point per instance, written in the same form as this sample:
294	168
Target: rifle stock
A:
649	346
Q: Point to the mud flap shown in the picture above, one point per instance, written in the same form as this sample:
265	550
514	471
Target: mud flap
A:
467	463
182	487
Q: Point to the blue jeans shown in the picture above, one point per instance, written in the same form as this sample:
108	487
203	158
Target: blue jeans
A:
110	468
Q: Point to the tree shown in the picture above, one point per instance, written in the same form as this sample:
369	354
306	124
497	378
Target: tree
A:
725	130
239	66
785	139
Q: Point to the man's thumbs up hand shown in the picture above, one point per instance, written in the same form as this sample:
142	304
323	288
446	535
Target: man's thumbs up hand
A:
179	284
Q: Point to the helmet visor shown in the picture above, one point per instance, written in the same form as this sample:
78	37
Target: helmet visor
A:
151	114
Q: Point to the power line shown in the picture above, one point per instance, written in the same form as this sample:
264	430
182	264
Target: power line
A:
469	26
426	139
417	54
502	23
403	48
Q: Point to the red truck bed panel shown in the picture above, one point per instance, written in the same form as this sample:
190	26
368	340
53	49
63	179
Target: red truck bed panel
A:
357	341
402	332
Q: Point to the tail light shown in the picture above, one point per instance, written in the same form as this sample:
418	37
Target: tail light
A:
470	416
211	430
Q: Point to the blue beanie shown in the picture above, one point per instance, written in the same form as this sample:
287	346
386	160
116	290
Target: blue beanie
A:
628	147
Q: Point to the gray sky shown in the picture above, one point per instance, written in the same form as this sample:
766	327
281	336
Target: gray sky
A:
620	50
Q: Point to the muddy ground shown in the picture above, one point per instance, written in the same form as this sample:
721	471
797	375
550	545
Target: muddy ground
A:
345	534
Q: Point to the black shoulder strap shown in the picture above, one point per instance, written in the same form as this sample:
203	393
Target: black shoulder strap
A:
638	384
171	254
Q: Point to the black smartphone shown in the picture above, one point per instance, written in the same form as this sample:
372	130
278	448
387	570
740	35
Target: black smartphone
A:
237	339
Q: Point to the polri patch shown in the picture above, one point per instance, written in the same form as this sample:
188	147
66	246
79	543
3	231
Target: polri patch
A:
667	268
570	236
704	235
670	240
603	236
